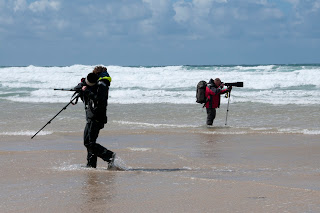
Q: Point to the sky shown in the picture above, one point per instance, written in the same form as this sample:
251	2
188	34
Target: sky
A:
159	32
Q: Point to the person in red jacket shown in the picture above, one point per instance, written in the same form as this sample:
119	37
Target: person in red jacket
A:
213	91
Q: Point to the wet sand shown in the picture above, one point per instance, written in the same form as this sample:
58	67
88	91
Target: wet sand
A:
165	172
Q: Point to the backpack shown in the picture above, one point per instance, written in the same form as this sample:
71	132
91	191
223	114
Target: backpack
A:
201	92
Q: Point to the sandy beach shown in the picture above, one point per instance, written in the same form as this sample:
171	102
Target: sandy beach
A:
165	172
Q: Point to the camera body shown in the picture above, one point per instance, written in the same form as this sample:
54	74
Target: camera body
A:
235	84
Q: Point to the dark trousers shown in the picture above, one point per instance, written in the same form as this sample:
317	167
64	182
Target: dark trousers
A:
94	149
211	114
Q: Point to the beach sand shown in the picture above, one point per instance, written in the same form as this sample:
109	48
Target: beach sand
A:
165	172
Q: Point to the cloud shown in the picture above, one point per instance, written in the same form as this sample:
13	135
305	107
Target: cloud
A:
160	17
129	26
316	6
231	19
202	19
158	7
35	6
20	5
293	2
194	13
42	5
2	4
193	10
271	13
6	20
183	11
60	23
166	19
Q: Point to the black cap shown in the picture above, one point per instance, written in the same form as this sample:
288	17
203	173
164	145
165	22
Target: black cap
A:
91	79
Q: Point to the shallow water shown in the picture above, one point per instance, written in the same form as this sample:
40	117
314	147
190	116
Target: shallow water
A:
243	118
165	171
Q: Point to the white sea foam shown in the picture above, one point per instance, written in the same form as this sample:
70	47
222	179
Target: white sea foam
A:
29	133
119	165
70	167
261	67
300	131
139	149
264	131
171	84
154	125
224	132
311	132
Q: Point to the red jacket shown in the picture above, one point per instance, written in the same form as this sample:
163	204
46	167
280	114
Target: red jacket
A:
213	97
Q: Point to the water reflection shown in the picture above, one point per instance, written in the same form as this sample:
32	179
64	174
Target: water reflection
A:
158	170
97	191
209	146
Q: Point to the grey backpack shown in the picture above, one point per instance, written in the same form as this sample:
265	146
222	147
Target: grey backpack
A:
201	92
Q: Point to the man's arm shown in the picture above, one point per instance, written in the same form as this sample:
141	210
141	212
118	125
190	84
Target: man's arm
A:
101	94
223	91
79	86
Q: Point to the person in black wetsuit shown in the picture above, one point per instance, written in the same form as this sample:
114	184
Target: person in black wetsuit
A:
94	91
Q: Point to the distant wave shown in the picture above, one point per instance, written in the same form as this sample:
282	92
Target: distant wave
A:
272	84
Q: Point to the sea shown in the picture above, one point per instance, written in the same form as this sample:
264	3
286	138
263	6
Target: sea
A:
275	99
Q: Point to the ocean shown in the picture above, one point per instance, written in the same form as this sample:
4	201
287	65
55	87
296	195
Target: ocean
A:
265	159
281	99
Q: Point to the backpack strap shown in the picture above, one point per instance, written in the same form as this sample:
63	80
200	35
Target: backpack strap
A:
204	105
210	102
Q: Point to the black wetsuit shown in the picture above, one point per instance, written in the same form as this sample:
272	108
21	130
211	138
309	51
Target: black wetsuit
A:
95	99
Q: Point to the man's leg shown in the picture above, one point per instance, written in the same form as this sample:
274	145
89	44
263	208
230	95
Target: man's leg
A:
211	114
91	157
94	148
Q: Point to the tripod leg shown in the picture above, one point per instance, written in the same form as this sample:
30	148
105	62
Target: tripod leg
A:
227	108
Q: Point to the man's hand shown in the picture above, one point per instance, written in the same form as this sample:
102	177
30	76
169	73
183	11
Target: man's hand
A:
84	88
